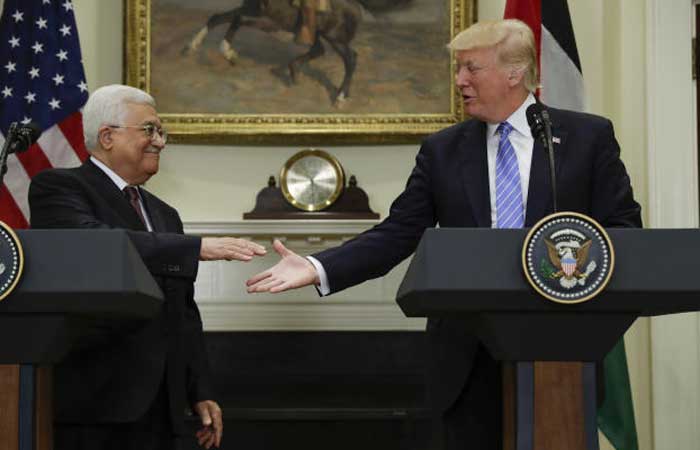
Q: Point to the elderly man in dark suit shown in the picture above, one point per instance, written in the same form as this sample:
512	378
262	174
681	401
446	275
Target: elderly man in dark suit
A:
485	172
129	388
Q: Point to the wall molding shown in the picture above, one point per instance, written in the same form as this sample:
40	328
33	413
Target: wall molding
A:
225	305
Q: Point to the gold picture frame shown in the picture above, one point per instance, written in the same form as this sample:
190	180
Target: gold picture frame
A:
205	97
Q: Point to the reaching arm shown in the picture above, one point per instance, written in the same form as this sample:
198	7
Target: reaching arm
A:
58	199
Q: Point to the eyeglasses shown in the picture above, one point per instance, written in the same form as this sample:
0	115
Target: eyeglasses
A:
151	130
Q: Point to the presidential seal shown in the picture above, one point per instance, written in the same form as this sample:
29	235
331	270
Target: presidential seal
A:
568	258
11	260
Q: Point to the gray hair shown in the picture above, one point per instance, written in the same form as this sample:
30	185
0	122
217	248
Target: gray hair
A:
514	43
108	106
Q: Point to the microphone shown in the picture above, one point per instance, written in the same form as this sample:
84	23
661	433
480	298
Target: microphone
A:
541	128
24	136
17	140
538	119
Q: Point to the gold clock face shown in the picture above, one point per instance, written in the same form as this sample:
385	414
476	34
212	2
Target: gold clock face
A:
312	180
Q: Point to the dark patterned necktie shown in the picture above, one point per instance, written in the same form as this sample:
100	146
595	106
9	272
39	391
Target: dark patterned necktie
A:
132	194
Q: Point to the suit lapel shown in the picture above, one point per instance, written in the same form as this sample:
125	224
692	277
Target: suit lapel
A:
539	196
112	195
475	174
154	214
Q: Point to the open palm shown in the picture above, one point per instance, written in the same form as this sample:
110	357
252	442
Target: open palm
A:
291	272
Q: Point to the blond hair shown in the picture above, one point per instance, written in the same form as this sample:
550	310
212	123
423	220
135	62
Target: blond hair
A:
514	43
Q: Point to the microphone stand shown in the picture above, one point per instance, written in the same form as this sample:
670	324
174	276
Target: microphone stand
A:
5	151
550	153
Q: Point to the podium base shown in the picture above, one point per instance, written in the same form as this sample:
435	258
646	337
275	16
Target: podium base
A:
549	406
26	412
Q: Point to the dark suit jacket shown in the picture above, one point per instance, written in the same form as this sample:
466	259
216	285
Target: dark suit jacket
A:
115	376
449	186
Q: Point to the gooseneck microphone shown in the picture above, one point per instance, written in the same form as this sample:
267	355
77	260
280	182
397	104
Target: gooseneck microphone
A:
541	128
18	139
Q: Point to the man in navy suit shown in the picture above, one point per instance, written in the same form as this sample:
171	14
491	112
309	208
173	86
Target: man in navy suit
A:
488	171
127	388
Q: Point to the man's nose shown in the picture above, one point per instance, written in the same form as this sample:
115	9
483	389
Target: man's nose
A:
158	141
462	78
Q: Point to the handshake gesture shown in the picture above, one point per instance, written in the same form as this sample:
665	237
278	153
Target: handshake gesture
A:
291	272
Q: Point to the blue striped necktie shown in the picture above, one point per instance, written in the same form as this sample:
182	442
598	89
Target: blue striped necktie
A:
509	197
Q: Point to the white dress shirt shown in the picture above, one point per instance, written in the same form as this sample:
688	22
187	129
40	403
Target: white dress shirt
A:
121	184
522	141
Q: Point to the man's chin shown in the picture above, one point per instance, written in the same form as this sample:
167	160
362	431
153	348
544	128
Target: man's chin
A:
470	111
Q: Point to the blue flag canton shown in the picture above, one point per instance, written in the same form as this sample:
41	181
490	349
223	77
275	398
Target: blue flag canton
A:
41	69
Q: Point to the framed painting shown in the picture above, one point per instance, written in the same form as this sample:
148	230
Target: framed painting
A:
238	71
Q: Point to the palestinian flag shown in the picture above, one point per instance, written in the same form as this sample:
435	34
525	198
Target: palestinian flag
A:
561	78
561	81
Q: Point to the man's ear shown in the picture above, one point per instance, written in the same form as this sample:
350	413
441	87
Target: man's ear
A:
105	137
515	76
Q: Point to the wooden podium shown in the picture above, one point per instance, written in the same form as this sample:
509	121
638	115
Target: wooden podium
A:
74	282
475	275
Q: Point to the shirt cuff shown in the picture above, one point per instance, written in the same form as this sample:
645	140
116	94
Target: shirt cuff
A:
323	287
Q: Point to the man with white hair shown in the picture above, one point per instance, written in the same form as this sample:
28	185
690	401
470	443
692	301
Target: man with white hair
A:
128	389
487	171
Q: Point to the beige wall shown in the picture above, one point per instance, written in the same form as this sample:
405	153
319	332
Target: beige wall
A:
219	183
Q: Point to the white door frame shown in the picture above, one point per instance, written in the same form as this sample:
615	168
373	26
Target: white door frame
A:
673	203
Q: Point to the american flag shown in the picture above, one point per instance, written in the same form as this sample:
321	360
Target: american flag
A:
41	80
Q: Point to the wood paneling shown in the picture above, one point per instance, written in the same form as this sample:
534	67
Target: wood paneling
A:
559	419
9	407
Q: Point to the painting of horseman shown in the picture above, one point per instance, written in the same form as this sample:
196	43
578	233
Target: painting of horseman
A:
301	57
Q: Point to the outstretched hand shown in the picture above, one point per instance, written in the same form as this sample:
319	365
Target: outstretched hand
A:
291	272
229	249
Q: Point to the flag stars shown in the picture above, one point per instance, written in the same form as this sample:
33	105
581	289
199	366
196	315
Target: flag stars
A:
45	2
38	48
41	23
33	72
82	86
26	120
14	41
18	16
54	103
30	97
7	92
62	55
58	79
11	67
65	30
67	5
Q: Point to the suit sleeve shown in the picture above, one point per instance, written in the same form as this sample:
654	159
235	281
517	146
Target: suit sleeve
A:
57	200
613	203
375	252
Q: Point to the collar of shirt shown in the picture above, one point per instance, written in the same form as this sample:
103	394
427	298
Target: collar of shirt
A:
518	119
116	179
121	184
